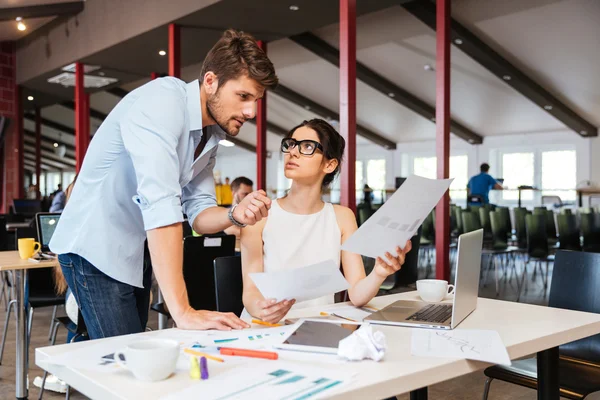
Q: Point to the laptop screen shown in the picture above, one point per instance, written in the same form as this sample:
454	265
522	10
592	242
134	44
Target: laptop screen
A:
47	226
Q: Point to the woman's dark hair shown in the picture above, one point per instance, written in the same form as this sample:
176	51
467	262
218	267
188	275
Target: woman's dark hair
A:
333	144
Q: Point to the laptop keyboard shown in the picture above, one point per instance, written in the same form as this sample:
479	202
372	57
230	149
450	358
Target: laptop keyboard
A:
433	313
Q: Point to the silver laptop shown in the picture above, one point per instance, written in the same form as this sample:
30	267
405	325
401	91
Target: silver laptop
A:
440	315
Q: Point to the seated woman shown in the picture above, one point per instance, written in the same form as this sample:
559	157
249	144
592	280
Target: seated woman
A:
302	230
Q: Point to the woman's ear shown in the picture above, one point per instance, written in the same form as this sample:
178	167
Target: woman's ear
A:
330	166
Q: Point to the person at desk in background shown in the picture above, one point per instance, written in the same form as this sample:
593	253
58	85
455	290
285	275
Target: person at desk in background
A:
302	230
240	188
150	162
368	195
58	201
481	184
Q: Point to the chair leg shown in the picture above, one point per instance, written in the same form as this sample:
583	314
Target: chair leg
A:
53	331
29	324
10	305
486	388
523	281
68	395
51	321
496	274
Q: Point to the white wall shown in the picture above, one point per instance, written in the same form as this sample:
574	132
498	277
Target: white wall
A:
233	163
595	160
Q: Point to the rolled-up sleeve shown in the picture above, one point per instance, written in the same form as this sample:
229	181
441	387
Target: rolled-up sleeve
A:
151	131
199	194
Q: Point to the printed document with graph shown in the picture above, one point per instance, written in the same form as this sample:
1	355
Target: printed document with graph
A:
399	217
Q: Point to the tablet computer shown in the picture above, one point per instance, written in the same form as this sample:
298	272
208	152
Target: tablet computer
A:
318	336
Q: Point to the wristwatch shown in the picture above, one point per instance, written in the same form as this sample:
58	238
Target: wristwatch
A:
233	220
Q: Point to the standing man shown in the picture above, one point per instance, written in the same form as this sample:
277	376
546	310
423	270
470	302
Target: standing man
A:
240	188
480	185
149	163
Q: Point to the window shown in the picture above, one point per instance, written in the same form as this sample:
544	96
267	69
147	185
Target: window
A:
425	167
359	176
376	178
459	170
517	170
559	174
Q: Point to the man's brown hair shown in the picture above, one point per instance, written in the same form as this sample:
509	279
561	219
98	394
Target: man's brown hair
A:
237	54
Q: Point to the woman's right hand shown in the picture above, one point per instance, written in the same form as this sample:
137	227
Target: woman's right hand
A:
271	311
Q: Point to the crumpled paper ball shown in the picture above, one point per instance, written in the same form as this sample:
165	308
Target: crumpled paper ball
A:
363	344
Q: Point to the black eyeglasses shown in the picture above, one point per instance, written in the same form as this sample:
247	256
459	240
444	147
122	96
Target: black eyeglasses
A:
305	147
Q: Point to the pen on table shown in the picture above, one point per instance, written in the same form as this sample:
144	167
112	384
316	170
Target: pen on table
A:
269	355
259	322
335	315
203	368
200	354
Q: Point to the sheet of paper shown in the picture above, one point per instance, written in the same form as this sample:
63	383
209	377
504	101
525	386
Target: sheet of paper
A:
268	380
352	313
302	284
247	338
399	217
463	343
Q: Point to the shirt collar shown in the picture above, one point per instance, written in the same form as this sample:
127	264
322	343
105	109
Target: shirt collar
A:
193	104
195	110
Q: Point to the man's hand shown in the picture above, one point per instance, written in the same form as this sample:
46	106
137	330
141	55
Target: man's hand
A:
253	208
201	319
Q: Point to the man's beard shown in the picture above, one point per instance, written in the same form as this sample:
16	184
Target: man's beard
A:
214	112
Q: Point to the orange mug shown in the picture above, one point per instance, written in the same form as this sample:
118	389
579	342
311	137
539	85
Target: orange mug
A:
28	247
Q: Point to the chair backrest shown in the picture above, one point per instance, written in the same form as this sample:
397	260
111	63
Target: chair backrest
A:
568	234
229	284
505	212
409	273
470	222
586	210
590	230
499	230
566	211
22	233
428	228
484	218
550	225
520	230
364	213
4	237
575	282
199	253
537	239
459	225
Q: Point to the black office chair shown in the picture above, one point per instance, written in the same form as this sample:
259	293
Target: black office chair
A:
568	234
590	230
575	282
199	253
229	284
408	275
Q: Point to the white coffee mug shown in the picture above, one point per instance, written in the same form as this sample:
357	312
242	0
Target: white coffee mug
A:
150	360
434	290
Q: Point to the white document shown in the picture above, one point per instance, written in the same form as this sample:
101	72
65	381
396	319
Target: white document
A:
351	313
302	284
267	380
399	217
470	344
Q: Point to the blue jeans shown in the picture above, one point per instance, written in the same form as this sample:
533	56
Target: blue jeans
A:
109	307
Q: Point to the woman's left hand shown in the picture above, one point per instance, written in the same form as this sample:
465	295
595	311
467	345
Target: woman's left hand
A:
384	268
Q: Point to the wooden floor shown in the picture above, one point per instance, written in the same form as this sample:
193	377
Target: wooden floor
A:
465	388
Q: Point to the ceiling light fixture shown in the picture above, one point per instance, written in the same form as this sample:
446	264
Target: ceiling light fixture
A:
458	41
471	141
30	98
428	67
162	53
548	107
55	144
20	24
294	7
583	133
307	108
506	77
392	95
226	143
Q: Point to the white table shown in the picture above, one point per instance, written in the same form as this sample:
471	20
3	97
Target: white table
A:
525	330
10	261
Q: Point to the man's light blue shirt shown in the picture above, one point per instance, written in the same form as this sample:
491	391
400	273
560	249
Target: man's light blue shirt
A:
138	174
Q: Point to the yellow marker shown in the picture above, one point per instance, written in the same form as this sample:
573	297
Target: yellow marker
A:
200	354
259	322
194	368
323	313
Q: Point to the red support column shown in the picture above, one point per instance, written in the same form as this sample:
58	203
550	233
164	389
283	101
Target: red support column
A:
261	136
38	150
348	100
442	118
20	149
174	51
81	117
